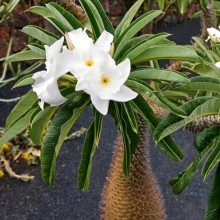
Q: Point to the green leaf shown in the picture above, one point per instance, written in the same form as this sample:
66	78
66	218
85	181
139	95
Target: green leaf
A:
182	5
212	161
40	34
22	107
198	107
161	4
94	18
202	84
167	145
40	10
140	47
182	180
107	23
197	15
158	74
203	4
145	90
65	18
133	29
20	125
25	80
171	106
38	49
127	19
59	128
204	138
24	56
131	116
39	123
165	52
58	25
88	151
130	138
203	69
213	205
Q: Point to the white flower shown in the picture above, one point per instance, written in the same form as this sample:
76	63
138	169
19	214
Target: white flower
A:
214	34
217	64
107	83
45	84
87	53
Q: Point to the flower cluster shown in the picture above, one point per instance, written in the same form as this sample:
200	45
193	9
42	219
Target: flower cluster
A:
91	64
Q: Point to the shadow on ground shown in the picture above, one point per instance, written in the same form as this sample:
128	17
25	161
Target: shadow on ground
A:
36	201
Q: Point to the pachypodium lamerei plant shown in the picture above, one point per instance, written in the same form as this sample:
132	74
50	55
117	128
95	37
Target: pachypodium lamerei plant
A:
107	69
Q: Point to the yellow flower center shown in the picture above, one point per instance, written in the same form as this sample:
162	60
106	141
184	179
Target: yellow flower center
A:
105	80
1	174
27	156
5	147
89	63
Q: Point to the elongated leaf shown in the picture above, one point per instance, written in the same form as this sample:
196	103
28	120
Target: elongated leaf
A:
25	80
127	19
58	25
167	145
182	5
172	106
22	107
203	69
210	54
131	116
164	52
182	180
39	123
140	47
161	4
158	74
107	23
66	18
24	56
168	126
59	128
173	119
20	125
213	205
204	138
88	151
212	161
94	18
145	90
134	41
40	34
203	4
38	49
132	29
202	84
40	10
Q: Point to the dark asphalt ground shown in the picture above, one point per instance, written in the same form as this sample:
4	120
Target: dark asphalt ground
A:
36	201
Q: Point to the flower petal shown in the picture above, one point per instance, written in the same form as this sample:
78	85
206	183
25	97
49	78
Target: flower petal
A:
48	91
82	84
62	62
80	39
125	69
100	104
54	49
123	95
217	64
104	41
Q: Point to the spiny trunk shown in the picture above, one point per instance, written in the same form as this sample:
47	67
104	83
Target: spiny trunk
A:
208	19
136	198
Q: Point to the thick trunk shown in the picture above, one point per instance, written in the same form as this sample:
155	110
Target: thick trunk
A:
208	19
136	198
